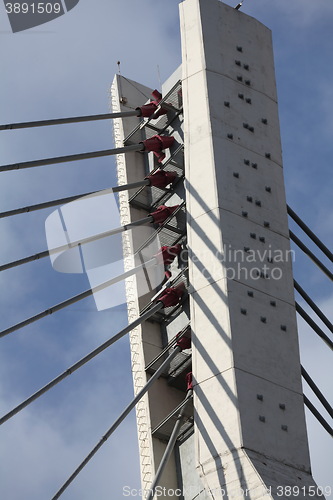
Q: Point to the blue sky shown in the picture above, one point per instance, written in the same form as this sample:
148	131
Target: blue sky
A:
65	68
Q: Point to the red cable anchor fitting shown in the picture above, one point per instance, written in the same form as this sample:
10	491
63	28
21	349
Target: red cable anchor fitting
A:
162	213
169	253
189	380
157	144
172	296
148	110
161	178
184	342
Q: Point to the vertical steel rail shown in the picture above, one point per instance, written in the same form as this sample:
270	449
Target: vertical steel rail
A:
169	448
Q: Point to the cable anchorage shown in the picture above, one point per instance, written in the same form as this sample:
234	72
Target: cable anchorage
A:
156	144
159	178
167	297
151	110
161	215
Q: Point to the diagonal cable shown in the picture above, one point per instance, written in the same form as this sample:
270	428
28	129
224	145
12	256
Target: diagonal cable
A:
45	253
313	306
317	392
162	215
156	307
61	201
318	416
116	424
310	233
313	325
74	299
68	158
310	254
74	119
170	446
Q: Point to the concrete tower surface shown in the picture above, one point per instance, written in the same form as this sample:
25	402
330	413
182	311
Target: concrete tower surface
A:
250	432
249	435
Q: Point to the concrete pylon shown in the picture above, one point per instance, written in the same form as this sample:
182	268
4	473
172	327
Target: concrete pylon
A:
250	434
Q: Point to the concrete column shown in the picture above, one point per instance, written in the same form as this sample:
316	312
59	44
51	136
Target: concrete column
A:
148	339
125	95
250	428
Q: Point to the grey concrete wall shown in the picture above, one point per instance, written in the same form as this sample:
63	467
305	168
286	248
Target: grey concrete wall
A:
249	412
